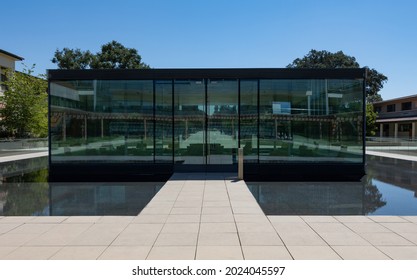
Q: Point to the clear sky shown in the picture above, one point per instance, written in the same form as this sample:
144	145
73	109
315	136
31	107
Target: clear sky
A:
381	34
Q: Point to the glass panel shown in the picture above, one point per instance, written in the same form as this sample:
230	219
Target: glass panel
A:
163	121
189	122
222	119
102	121
311	120
249	119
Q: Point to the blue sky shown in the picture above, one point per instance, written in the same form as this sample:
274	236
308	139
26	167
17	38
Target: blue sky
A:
227	34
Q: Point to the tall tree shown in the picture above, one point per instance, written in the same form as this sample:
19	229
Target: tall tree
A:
24	106
325	59
112	55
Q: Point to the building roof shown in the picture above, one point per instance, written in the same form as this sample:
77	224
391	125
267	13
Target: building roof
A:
396	99
11	55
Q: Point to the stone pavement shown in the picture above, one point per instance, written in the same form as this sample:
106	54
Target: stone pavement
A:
207	216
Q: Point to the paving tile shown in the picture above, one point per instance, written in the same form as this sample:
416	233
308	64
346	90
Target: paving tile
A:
412	219
313	253
219	253
215	239
329	227
401	227
59	235
4	251
366	227
16	219
82	219
217	210
149	219
285	219
17	239
188	204
172	253
302	238
292	227
410	236
385	238
400	252
79	253
360	253
213	218
183	219
143	228
266	253
156	210
387	219
247	210
125	253
98	234
181	228
223	203
353	219
135	239
254	227
259	238
319	219
343	238
115	219
217	227
176	239
251	218
32	228
33	253
185	210
48	219
7	227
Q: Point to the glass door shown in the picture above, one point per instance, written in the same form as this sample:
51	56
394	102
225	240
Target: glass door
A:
222	121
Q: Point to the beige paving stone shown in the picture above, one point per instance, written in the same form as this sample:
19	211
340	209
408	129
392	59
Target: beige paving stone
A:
353	219
79	253
329	227
216	210
387	219
255	227
149	219
292	227
219	253
410	236
98	234
260	238
385	238
33	253
181	228
176	239
125	253
214	218
302	238
412	219
186	211
82	219
401	227
59	235
143	228
188	204
343	238
400	252
217	239
115	219
7	227
285	219
183	219
17	239
32	228
172	253
247	210
266	253
48	219
251	218
168	204
313	253
366	227
135	239
360	253
319	219
16	219
156	210
5	250
222	203
217	227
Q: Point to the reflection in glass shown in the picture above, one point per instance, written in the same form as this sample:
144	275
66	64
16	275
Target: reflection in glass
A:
163	121
249	119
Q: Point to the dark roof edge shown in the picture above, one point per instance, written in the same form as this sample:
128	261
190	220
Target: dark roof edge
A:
11	54
395	99
213	73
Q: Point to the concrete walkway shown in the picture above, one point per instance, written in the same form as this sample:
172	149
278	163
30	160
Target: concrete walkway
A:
208	216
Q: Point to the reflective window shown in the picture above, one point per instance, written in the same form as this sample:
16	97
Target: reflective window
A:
249	119
163	122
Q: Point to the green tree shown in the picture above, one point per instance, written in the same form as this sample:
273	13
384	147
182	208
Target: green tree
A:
24	106
371	116
325	59
112	55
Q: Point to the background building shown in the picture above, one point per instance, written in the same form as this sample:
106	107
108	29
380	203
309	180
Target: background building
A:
397	117
7	61
291	123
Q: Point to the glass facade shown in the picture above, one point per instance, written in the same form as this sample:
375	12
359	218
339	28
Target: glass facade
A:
203	121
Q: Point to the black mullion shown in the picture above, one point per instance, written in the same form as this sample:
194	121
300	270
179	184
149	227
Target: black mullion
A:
173	121
206	121
259	116
238	113
154	121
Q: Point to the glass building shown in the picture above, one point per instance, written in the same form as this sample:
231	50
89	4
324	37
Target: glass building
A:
293	124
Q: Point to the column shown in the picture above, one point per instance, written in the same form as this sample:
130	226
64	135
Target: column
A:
395	130
413	130
381	130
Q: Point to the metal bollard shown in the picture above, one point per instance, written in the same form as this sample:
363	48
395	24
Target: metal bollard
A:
240	164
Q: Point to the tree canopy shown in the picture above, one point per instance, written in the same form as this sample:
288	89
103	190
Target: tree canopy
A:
325	59
112	55
24	106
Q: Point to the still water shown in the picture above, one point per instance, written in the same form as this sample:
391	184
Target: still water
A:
390	188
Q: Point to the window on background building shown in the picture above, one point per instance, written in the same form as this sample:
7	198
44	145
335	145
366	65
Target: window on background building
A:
391	108
406	106
405	127
378	109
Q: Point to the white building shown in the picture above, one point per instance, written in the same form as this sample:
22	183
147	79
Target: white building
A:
7	61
